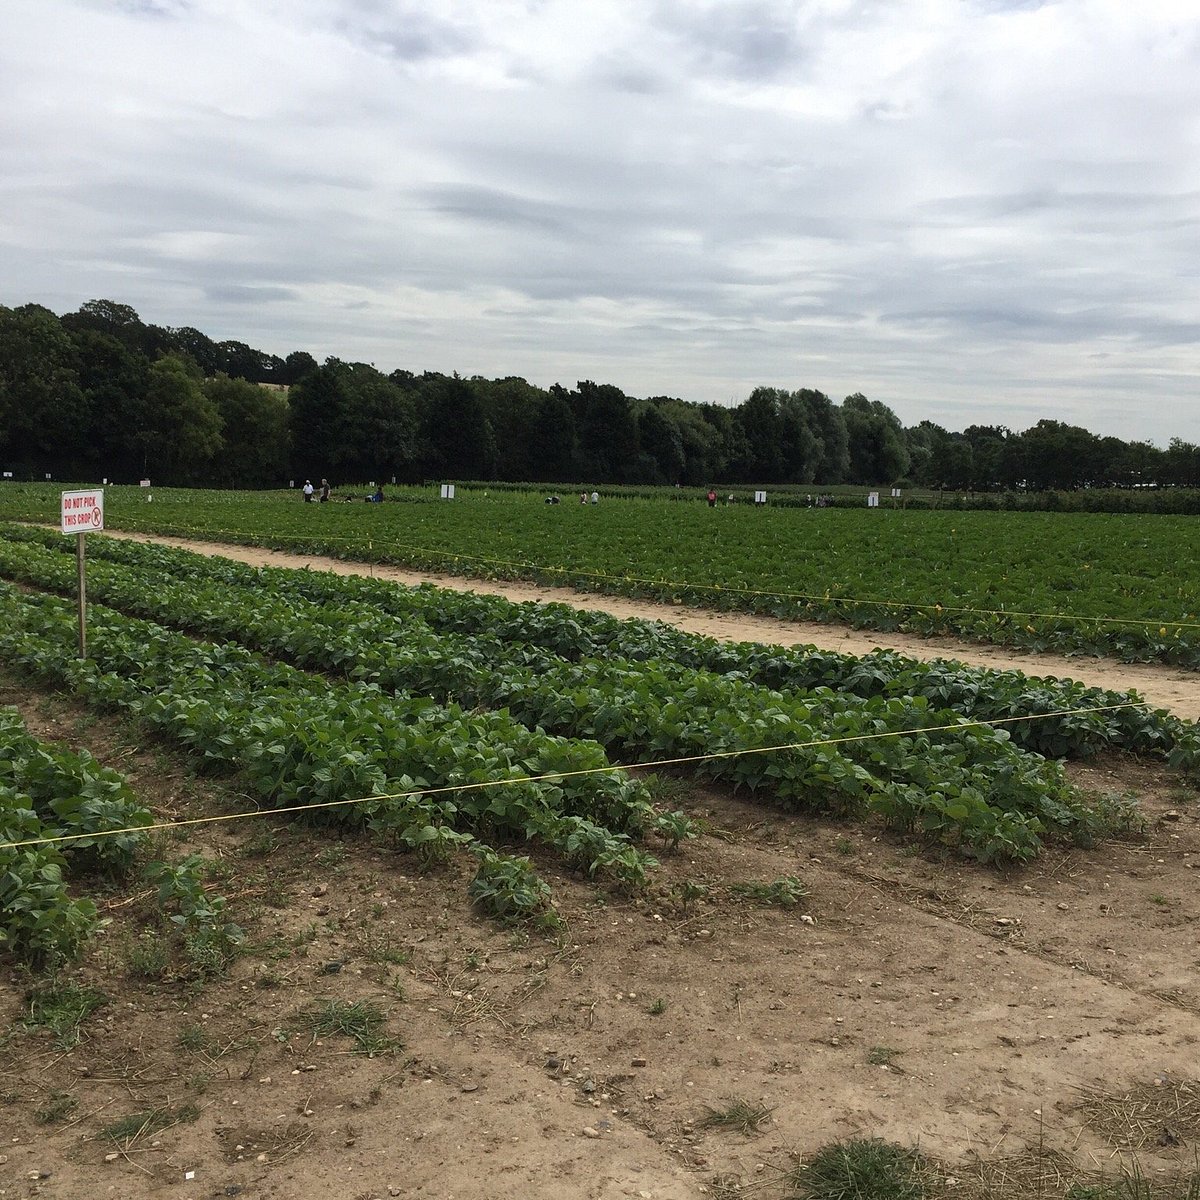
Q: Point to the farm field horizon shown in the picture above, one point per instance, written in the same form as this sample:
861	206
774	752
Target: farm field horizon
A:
1119	585
501	941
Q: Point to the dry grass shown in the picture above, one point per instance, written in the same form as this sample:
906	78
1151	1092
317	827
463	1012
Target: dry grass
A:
1162	1113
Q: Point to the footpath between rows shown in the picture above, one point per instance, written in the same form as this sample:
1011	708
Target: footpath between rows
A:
1162	686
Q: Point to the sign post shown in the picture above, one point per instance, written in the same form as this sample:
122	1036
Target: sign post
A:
81	512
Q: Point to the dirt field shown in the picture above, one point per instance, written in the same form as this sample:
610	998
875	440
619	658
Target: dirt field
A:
909	996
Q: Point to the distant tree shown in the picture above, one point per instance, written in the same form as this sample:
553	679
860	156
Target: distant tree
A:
199	347
876	441
254	433
1057	455
182	434
44	419
608	435
456	437
828	428
297	364
115	380
553	443
511	406
661	443
757	419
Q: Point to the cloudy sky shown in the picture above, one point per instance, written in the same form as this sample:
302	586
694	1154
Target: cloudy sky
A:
973	210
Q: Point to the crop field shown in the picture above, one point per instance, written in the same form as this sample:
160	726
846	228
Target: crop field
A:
1122	585
462	868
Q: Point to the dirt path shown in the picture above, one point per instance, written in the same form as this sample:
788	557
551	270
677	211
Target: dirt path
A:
1162	686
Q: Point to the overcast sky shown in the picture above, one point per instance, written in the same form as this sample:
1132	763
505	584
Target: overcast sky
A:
976	211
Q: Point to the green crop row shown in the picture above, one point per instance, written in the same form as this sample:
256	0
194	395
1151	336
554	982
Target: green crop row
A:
969	786
50	792
1116	584
501	631
297	740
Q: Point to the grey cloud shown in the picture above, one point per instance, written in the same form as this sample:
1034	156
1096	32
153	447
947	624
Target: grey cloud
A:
245	294
747	39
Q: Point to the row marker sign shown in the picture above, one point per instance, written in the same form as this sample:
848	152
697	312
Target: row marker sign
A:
82	512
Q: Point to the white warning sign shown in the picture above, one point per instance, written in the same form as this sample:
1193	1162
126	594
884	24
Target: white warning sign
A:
82	512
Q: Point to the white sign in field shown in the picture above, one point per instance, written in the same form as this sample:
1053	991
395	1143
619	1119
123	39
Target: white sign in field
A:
82	512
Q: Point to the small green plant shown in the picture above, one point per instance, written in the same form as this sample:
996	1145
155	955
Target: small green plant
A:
362	1021
785	892
883	1056
332	856
861	1169
209	941
56	1106
147	957
262	845
194	1039
128	1129
743	1115
658	1007
62	1008
844	846
1159	899
673	828
690	891
508	889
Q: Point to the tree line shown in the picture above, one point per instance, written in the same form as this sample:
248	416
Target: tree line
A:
97	393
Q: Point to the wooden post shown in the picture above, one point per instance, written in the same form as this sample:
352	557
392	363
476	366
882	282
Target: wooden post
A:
80	554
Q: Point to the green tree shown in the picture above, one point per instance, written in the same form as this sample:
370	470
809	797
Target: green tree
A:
44	418
876	441
254	430
182	436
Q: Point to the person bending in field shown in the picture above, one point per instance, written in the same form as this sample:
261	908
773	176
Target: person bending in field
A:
324	491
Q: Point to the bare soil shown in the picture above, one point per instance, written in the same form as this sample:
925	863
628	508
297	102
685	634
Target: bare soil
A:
909	996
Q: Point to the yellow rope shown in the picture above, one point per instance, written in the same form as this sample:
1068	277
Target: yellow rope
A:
556	775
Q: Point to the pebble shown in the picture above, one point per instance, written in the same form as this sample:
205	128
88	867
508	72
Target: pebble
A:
590	1131
470	1087
111	1157
637	1062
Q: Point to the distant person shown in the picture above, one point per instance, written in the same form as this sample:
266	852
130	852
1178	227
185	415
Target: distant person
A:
324	491
711	498
729	499
583	497
377	495
307	490
595	497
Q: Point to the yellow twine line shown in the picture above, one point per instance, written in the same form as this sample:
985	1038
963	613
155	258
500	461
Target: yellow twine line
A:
555	775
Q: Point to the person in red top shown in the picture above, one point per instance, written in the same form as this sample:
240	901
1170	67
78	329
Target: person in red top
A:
711	498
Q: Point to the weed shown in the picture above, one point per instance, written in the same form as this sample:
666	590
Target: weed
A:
1159	899
262	845
362	1021
883	1056
689	891
57	1105
844	845
147	958
473	961
62	1008
378	946
332	856
194	1038
861	1169
154	1120
739	1114
785	892
658	1007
